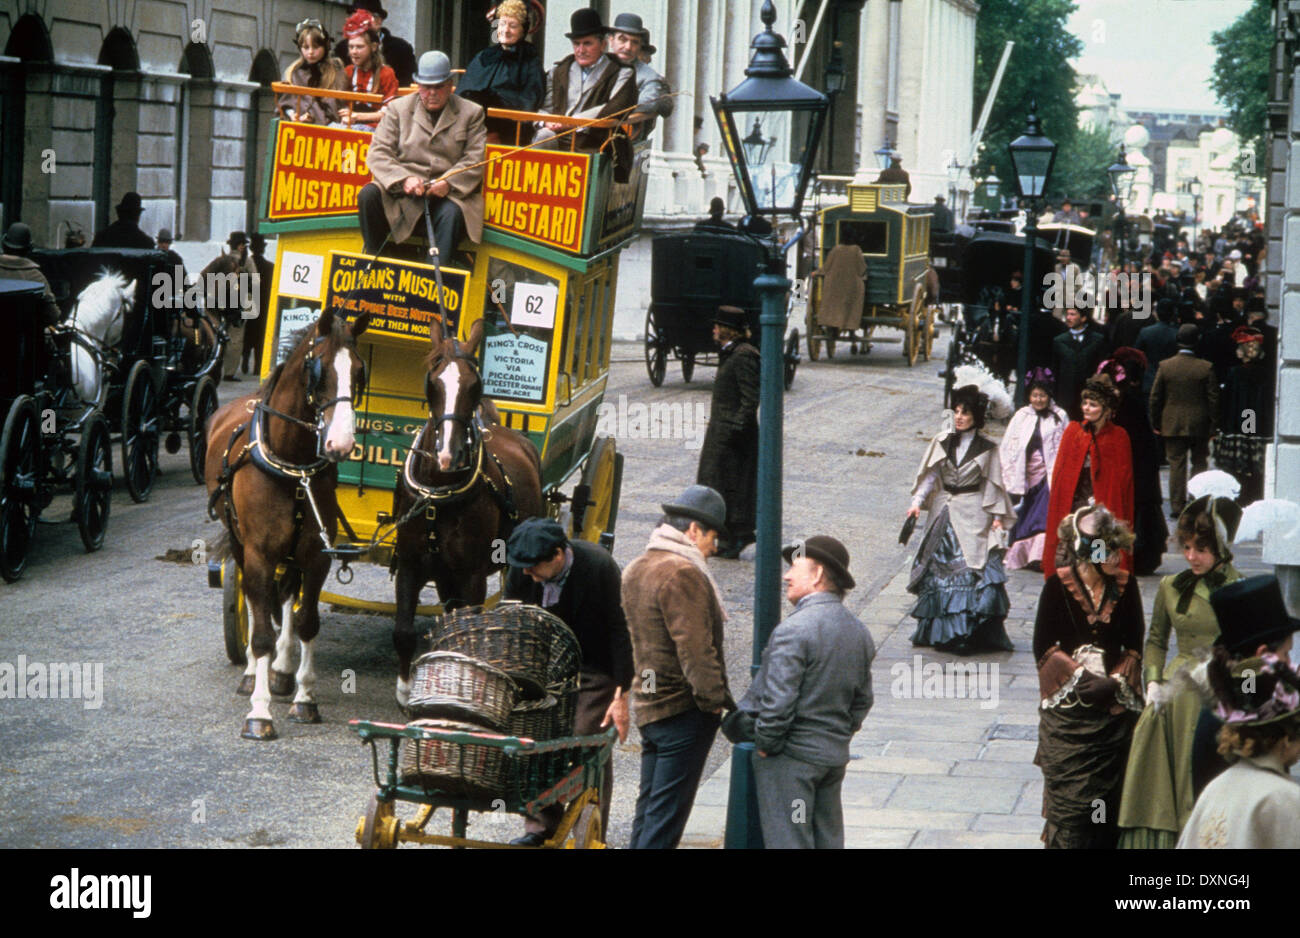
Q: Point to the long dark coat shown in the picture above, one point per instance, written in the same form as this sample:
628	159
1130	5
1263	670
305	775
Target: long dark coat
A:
1148	456
729	458
1073	363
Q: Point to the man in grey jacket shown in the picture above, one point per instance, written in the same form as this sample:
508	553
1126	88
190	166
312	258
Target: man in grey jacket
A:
809	697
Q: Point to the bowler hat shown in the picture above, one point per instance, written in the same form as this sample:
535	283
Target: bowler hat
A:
585	22
534	541
435	69
1251	613
1188	335
828	552
700	503
17	238
631	24
733	317
130	204
648	48
165	234
236	239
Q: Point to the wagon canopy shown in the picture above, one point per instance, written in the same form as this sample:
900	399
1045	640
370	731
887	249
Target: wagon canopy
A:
992	257
1073	238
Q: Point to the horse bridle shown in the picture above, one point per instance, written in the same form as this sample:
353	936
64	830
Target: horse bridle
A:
312	379
473	432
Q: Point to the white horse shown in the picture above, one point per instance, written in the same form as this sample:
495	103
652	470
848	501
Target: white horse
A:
99	315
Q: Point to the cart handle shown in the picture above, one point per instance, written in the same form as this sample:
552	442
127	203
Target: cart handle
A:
369	731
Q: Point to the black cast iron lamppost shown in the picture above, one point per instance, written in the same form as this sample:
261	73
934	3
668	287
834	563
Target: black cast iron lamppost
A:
991	186
1121	185
1032	157
833	79
769	90
1194	187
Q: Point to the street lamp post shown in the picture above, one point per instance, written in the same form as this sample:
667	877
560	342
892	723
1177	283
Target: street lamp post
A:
1032	156
991	187
1194	186
1121	185
768	91
954	177
834	80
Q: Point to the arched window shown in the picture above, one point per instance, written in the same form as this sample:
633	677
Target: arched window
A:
30	40
196	61
119	52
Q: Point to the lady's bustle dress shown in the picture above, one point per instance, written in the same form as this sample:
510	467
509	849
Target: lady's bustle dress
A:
1028	455
1158	793
957	575
1082	748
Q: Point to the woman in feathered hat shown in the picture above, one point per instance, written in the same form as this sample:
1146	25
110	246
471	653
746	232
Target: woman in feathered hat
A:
1094	465
1247	417
1158	794
1028	455
957	577
1086	640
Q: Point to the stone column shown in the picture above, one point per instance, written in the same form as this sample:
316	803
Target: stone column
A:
60	124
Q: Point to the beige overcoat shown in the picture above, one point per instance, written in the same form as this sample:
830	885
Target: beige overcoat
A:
406	143
843	288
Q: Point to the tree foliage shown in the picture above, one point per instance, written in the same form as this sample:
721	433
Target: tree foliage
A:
1039	70
1241	75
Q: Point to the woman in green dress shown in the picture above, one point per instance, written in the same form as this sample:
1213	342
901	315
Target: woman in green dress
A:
1158	795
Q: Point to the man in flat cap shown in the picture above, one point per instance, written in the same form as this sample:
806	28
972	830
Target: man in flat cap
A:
809	697
627	36
125	232
590	83
15	264
675	615
579	582
427	146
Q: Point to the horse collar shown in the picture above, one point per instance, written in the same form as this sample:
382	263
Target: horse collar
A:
266	460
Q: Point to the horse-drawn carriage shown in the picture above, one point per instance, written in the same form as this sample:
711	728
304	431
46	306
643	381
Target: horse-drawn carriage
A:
692	274
901	292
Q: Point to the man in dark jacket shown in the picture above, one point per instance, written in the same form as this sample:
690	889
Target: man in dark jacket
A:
896	175
256	328
1185	411
590	83
941	215
125	232
1216	345
1075	357
729	457
16	264
809	697
715	221
1158	341
579	582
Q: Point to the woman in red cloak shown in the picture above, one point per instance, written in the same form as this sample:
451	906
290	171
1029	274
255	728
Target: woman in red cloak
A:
1094	462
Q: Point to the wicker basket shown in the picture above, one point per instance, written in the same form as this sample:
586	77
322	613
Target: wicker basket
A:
455	768
534	719
451	685
566	696
530	644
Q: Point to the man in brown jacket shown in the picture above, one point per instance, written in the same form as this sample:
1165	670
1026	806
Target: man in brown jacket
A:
424	148
1185	411
675	616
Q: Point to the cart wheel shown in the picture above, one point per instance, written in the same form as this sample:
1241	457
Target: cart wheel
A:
202	406
20	452
140	432
378	829
688	366
94	482
656	353
600	476
912	325
810	325
791	357
586	833
927	342
234	612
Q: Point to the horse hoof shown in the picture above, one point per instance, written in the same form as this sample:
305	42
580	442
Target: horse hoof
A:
282	685
304	713
260	730
245	688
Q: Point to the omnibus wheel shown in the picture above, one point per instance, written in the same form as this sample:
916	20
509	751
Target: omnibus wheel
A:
94	491
20	451
810	324
600	476
202	406
234	612
927	345
140	432
656	353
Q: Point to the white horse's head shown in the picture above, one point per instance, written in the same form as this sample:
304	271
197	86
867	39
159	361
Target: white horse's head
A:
100	310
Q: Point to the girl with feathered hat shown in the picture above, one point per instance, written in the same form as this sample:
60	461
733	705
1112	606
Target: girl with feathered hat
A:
957	576
1028	455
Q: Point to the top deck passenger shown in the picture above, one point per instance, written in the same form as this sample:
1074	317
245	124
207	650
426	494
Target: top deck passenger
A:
590	84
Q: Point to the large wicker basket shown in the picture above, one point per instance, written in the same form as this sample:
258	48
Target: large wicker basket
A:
530	644
534	719
455	686
466	769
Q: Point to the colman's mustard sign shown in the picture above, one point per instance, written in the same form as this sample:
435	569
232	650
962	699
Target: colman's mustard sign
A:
540	195
316	171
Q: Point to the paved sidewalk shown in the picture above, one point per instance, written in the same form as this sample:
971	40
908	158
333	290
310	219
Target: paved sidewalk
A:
942	772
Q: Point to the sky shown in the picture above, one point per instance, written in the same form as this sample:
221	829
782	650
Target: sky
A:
1155	53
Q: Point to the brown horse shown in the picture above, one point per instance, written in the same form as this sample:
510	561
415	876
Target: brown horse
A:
271	472
465	483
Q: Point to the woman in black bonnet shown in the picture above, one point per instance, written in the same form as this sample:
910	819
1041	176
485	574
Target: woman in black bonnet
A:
507	74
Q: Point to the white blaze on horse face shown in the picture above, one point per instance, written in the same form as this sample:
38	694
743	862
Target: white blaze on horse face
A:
450	379
342	432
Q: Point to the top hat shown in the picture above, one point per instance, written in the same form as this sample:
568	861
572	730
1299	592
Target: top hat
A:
165	236
733	317
1255	691
534	541
1251	613
828	552
371	6
1188	335
236	239
434	69
130	204
700	503
631	24
358	24
585	22
17	238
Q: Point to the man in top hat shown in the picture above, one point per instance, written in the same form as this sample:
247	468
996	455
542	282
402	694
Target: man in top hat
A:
232	294
397	52
809	697
125	232
941	215
588	84
675	616
579	582
1076	353
428	146
15	264
627	36
729	456
1185	411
